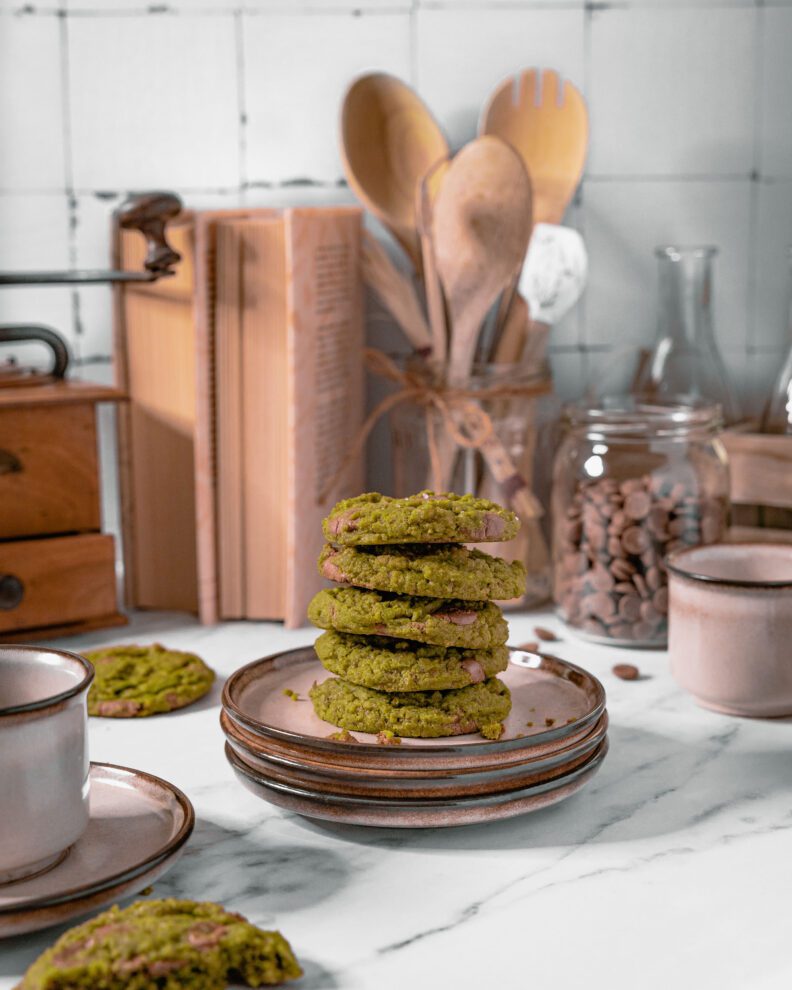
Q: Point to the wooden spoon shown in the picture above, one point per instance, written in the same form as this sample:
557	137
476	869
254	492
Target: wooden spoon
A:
389	140
482	225
546	121
435	303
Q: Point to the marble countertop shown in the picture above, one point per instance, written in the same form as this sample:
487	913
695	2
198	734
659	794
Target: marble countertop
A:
672	868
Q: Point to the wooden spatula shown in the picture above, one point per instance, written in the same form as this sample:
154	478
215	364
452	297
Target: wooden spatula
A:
546	121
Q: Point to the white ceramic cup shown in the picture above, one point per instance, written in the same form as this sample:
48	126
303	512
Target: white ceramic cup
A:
43	757
730	626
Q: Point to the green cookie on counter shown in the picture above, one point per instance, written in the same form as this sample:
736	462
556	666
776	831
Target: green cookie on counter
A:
442	571
400	665
135	681
376	519
167	945
420	714
474	625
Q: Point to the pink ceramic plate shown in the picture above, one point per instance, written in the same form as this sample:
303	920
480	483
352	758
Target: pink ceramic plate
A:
137	827
492	781
418	813
552	700
335	777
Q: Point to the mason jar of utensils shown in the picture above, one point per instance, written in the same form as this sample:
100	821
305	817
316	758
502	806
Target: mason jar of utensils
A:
633	481
489	438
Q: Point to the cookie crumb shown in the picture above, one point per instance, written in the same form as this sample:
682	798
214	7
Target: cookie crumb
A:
146	891
549	722
343	736
288	693
546	635
529	724
529	647
388	738
626	671
492	731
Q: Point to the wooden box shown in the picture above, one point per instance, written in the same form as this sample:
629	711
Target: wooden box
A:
761	484
57	571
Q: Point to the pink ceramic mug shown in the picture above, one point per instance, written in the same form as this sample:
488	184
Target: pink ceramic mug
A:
43	757
730	626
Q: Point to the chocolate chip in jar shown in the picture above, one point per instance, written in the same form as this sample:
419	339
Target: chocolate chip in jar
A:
661	485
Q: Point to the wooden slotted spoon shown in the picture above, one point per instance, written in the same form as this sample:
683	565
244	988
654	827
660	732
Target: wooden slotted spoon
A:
546	121
389	140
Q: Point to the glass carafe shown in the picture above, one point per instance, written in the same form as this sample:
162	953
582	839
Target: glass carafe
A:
777	416
685	365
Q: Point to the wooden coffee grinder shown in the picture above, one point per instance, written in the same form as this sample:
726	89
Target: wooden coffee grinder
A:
57	569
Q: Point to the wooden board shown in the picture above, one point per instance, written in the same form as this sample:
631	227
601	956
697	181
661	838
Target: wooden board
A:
761	468
758	534
57	394
156	365
67	629
53	484
66	579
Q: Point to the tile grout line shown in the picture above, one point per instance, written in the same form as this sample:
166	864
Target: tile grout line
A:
413	43
582	333
753	218
68	166
242	120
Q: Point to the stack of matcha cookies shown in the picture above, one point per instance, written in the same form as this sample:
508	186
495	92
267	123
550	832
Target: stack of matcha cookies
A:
413	635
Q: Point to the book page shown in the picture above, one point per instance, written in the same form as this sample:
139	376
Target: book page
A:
325	381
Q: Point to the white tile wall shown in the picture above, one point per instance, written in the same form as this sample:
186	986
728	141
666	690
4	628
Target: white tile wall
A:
31	109
34	233
154	101
462	54
672	91
236	101
626	220
776	106
773	264
293	89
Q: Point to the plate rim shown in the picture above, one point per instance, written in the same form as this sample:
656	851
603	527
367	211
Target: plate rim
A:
172	846
600	727
427	804
450	748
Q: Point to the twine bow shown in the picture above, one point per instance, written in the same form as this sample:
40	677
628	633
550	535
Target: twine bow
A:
463	418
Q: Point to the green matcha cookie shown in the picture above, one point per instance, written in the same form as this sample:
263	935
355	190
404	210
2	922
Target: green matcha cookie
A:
133	681
398	665
423	518
476	625
443	571
167	945
420	714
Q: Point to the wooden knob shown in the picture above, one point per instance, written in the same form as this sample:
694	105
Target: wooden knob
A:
149	213
12	591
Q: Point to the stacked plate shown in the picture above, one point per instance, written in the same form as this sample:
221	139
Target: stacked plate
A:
554	741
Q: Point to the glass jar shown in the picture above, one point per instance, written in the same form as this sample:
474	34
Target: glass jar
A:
685	362
525	427
633	480
777	416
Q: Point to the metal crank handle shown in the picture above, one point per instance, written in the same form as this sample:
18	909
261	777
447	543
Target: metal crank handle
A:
147	212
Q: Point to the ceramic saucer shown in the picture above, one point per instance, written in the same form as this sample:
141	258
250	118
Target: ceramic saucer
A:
137	827
413	813
552	701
